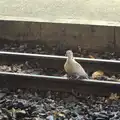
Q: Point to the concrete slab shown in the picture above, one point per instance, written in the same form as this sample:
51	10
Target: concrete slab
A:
64	35
77	11
88	37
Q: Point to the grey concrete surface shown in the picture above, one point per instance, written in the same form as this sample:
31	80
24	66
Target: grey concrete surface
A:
103	10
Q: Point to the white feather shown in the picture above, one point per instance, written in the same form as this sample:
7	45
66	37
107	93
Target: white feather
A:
71	66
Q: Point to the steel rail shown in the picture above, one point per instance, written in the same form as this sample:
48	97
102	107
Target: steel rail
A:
43	82
57	62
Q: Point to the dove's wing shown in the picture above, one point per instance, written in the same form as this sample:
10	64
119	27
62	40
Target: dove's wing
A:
73	66
77	68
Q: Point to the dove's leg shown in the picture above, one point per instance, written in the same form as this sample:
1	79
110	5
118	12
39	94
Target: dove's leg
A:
76	76
73	76
83	77
70	77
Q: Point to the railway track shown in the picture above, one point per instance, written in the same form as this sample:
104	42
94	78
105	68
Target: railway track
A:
57	83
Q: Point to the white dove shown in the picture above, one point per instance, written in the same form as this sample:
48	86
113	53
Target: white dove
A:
73	69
